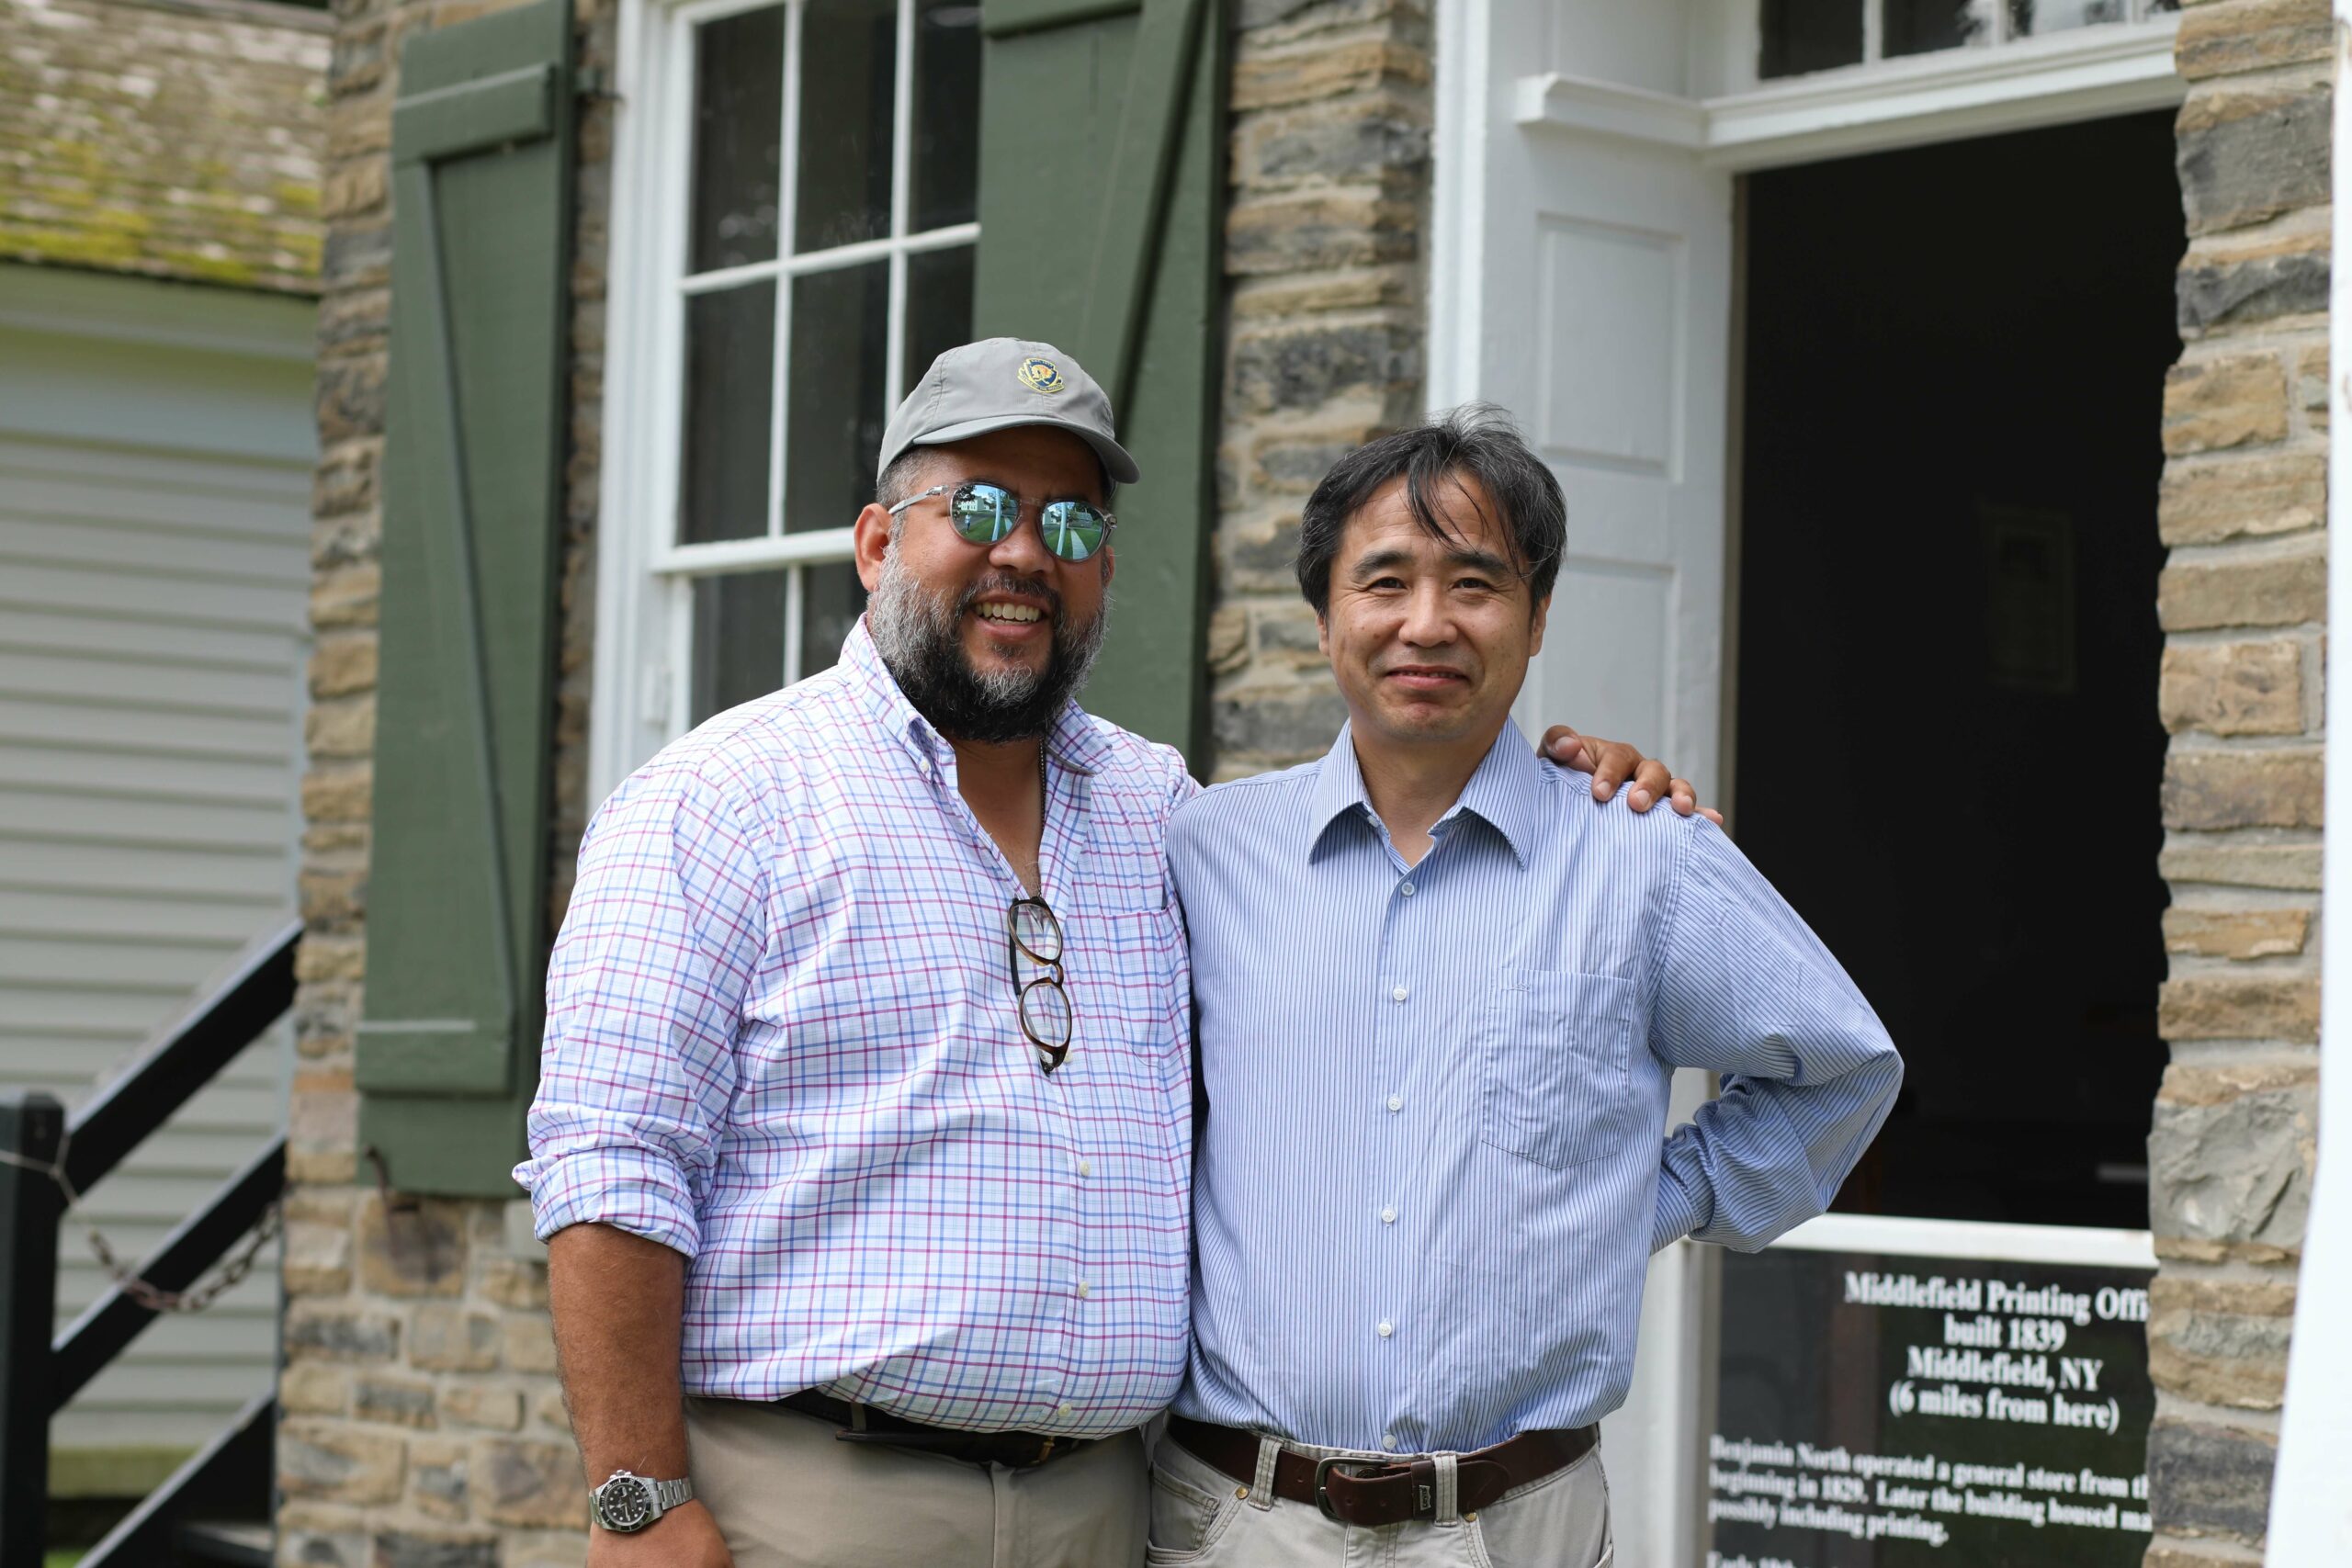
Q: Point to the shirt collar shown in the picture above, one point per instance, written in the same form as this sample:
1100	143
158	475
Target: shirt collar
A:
1073	743
1505	792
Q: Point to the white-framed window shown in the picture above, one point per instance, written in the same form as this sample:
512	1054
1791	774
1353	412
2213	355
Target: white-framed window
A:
794	216
1796	37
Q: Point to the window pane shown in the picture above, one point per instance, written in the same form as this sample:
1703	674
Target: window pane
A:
1919	27
2030	16
1810	35
848	62
739	119
739	639
839	335
948	113
730	348
939	307
831	598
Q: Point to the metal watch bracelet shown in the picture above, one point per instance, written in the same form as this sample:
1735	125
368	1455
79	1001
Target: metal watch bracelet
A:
628	1502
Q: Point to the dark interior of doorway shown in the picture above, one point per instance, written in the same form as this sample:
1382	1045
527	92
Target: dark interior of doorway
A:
1948	746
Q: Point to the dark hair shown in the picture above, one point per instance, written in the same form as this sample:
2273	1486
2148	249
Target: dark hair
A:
1475	440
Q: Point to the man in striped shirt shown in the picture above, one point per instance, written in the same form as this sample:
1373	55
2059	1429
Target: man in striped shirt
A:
865	1111
1438	1010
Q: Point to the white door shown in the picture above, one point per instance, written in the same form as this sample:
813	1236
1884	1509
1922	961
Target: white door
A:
1590	297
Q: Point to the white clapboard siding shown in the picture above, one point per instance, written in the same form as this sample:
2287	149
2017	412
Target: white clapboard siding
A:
156	443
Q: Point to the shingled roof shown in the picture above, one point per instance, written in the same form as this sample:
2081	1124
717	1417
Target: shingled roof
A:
178	139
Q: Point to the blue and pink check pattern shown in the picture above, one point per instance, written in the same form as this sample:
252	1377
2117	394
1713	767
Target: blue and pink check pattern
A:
781	1039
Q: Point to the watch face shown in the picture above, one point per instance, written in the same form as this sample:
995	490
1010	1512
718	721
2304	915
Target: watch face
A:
625	1502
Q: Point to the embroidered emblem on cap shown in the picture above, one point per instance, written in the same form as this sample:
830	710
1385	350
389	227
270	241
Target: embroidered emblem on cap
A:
1041	375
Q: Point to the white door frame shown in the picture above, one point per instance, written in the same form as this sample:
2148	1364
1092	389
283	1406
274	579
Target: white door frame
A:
1604	83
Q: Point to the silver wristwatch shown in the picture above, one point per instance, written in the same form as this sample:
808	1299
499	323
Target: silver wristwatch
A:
628	1502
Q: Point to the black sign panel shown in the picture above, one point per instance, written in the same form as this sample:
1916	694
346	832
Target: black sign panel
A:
1882	1412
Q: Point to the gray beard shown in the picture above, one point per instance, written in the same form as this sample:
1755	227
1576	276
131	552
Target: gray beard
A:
918	634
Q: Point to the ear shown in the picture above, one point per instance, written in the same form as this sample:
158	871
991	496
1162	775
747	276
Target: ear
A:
1535	625
1110	563
870	542
1322	633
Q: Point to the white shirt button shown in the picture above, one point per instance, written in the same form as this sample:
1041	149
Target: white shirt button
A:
1399	994
1388	1442
1386	1328
1061	1409
1086	1168
1388	1217
1406	888
1395	1102
1084	1289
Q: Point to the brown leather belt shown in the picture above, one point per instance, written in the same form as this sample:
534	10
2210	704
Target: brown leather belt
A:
864	1424
1372	1492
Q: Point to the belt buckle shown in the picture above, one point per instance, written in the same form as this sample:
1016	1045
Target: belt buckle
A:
1323	1468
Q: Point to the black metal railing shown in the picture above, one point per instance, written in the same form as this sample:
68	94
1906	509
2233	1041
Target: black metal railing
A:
44	1154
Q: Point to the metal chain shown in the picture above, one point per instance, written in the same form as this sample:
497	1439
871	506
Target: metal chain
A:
146	1292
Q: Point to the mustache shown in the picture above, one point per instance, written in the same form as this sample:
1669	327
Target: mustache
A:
1003	584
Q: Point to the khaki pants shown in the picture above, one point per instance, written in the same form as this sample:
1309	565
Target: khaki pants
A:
789	1495
1202	1518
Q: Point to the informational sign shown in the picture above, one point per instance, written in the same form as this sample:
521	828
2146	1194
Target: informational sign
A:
1878	1411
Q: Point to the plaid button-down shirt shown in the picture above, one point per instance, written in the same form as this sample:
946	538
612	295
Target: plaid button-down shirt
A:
781	1039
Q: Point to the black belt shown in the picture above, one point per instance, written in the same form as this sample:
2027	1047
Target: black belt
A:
864	1424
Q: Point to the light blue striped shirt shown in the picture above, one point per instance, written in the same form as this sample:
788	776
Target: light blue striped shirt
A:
1433	1166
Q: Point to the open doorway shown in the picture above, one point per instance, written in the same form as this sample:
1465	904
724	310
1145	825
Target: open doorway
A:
1947	749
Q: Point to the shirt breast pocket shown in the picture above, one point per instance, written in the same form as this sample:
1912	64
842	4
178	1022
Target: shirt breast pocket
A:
1556	1066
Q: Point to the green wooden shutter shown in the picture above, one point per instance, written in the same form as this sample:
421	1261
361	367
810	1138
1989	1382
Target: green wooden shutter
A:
448	1040
1102	197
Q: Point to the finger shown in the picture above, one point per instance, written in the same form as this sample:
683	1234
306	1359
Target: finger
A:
1685	799
1617	764
1566	747
1711	814
1650	781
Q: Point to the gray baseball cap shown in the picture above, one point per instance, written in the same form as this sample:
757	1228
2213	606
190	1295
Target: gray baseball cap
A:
996	384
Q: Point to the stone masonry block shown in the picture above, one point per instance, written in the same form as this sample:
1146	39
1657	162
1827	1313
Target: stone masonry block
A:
1292	723
2221	1341
2221	41
2206	1480
314	1330
1317	231
414	1251
1302	75
338	793
447	1337
339	1463
2242	789
2236	932
1363	139
351	398
342	727
2282	492
2230	862
312	1388
2235	399
530	1342
519	1482
2233	688
2263	591
315	1261
1305	368
2257	290
2310	386
2262	1004
346	597
493	1407
438	1478
2248	156
342	664
397	1402
2229	1153
429	1549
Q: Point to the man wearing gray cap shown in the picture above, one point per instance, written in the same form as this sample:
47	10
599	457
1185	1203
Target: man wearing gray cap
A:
865	1114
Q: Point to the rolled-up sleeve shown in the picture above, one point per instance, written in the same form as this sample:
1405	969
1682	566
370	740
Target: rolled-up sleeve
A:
663	937
1747	990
